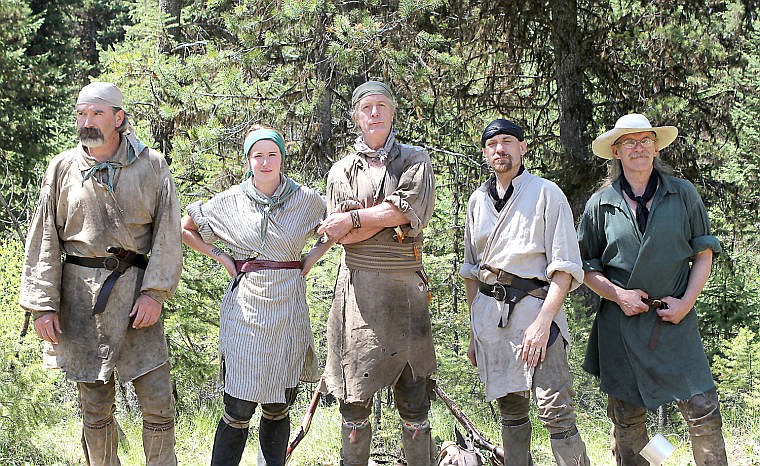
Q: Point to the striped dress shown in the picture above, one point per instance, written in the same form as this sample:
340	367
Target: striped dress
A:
265	340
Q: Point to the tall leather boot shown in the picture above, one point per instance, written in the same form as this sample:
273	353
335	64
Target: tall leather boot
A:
569	449
229	443
628	443
273	441
516	440
158	444
101	442
416	439
702	414
356	441
708	450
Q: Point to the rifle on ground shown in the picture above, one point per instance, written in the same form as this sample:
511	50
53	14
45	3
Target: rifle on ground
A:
305	424
476	436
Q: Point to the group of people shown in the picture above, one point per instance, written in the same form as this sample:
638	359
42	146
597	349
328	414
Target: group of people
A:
104	252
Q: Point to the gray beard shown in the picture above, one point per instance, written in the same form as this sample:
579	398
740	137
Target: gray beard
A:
91	137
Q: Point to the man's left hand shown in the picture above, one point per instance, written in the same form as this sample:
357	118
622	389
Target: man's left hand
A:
146	312
534	342
675	312
336	225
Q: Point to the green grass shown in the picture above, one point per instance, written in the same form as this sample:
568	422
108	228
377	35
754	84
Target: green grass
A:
58	443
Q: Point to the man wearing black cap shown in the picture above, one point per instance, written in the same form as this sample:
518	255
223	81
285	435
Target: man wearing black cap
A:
381	197
521	260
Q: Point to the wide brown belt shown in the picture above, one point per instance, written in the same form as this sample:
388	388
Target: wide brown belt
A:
120	260
254	265
511	289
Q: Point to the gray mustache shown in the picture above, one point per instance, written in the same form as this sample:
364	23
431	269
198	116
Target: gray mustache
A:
89	133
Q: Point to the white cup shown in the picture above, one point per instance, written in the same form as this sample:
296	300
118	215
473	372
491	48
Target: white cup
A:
658	450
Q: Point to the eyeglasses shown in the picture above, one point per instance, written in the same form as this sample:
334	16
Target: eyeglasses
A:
631	143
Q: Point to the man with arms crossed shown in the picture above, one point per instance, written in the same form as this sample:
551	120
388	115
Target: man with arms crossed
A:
380	196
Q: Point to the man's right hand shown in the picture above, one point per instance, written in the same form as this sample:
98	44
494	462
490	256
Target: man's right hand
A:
471	353
47	326
630	301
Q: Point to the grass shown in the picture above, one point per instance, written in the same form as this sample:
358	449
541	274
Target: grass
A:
59	442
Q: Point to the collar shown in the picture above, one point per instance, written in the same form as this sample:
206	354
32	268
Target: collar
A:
613	194
385	153
130	148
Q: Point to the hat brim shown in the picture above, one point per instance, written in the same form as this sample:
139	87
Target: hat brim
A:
602	145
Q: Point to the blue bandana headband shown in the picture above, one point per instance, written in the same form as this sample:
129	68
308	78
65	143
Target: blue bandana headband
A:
263	134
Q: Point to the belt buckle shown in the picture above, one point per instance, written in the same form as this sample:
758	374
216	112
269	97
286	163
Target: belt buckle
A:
499	292
111	263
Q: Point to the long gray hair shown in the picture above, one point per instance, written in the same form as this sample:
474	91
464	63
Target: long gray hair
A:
615	169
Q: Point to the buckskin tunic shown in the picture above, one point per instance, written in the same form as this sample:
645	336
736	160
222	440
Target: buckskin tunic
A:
379	320
82	219
532	237
265	340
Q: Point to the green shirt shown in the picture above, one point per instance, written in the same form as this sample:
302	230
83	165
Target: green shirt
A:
658	262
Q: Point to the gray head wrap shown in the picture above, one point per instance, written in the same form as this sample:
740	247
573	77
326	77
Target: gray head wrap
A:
372	88
101	93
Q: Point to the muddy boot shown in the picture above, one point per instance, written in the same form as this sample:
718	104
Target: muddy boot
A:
101	442
229	444
516	440
628	442
158	443
702	414
569	449
415	437
273	441
629	432
356	441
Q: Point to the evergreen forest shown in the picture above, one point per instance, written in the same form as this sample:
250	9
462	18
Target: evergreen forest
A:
196	74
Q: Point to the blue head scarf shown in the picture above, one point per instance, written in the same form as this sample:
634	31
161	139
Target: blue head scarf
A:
260	134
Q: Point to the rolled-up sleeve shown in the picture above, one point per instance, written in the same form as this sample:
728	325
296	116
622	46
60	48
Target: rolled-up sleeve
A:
338	188
562	243
415	194
699	223
197	213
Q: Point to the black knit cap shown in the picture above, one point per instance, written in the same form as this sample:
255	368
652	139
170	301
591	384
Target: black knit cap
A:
501	126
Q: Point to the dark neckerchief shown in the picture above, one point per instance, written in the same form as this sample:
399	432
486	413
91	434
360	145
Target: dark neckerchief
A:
498	202
642	213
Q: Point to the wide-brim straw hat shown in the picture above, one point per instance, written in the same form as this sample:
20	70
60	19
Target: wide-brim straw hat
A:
632	123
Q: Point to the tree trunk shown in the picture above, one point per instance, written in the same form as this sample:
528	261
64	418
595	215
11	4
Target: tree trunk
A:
574	108
172	8
322	146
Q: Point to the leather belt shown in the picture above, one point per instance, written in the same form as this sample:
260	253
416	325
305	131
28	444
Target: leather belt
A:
511	289
117	263
654	338
254	265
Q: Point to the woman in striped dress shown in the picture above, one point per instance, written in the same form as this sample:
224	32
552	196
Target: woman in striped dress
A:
265	341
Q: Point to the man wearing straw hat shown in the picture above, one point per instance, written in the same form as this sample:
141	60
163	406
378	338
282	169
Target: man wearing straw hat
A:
647	251
381	197
104	206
